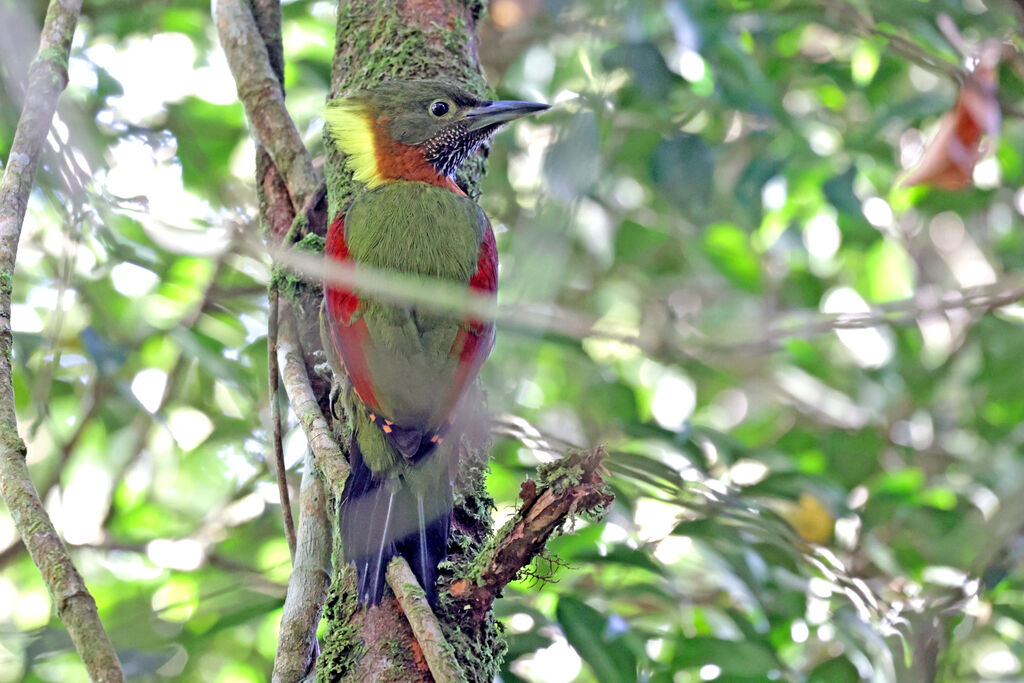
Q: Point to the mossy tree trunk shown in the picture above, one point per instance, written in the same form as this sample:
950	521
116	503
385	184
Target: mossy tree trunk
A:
402	39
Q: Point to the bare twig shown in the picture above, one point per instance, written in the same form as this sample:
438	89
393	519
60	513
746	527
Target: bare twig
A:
11	552
47	78
308	583
436	650
261	94
448	299
904	47
807	324
443	297
275	417
245	575
915	53
571	486
327	455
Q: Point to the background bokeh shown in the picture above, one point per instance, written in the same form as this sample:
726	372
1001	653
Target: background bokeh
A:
799	498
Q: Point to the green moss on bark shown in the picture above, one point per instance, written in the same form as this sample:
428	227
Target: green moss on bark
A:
57	55
298	288
342	646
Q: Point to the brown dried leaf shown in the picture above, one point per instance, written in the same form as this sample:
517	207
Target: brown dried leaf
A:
948	160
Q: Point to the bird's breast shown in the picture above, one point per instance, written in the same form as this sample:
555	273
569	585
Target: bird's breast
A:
415	228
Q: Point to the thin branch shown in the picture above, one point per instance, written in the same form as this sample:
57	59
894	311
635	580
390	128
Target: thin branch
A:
327	455
569	487
308	583
267	15
904	47
263	99
448	299
275	417
805	324
11	553
245	575
311	574
76	608
913	52
444	667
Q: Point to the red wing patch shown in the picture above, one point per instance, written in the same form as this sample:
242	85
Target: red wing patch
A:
485	279
349	337
474	342
486	276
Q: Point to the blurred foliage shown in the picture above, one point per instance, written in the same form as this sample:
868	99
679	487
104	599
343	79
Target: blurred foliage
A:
794	502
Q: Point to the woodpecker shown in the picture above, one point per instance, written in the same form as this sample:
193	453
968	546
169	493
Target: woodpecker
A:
407	368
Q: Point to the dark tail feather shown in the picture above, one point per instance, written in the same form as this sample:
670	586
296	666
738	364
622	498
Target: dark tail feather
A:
425	549
381	518
364	527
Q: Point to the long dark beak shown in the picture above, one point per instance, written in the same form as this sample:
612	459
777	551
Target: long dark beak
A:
496	113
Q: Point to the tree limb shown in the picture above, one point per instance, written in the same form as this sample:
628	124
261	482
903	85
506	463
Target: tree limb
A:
307	585
569	487
436	650
289	186
76	608
278	213
263	99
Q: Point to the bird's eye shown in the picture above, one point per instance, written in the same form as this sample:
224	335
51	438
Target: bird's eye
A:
439	108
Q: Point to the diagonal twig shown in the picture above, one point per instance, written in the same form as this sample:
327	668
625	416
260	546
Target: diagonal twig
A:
263	99
447	299
444	667
568	488
275	416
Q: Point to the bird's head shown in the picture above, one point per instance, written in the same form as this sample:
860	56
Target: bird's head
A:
415	130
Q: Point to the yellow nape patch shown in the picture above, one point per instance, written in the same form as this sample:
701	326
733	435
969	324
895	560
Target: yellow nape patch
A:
348	123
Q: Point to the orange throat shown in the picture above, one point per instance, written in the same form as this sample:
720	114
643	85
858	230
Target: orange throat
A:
399	161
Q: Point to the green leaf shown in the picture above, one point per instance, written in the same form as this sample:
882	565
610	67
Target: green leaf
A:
837	670
682	168
728	248
644	61
735	658
888	272
586	629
